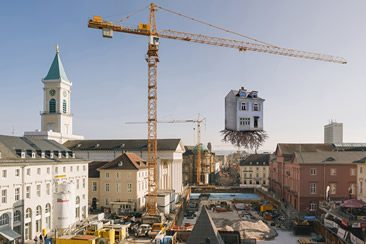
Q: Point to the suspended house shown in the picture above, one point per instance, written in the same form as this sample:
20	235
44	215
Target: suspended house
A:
244	118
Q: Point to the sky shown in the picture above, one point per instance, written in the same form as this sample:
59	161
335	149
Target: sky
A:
110	75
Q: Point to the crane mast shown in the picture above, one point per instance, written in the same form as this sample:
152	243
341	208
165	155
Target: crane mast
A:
152	60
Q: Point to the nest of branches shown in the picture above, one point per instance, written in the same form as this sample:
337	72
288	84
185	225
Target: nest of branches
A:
247	139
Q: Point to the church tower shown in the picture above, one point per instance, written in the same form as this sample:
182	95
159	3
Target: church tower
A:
56	117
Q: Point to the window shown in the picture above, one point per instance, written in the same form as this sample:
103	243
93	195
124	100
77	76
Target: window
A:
64	106
38	190
17	172
64	169
106	201
38	210
52	105
84	167
255	107
107	187
313	206
361	186
333	188
84	183
243	106
94	186
48	188
28	192
38	171
106	174
129	187
361	169
4	219
28	171
333	171
4	173
48	170
83	196
71	169
77	168
17	194
117	187
56	170
117	174
4	196
353	171
244	121
312	171
77	184
28	213
312	188
17	216
47	208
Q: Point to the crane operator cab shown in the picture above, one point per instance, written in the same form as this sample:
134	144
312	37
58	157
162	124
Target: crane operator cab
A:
154	40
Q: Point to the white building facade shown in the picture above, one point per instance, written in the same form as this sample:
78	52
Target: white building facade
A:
56	117
243	110
170	156
30	171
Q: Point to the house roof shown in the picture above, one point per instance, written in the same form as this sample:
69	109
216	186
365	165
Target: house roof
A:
290	148
93	168
333	157
56	71
121	145
256	159
204	230
10	146
127	161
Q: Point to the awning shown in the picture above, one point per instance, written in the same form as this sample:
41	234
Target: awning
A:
9	234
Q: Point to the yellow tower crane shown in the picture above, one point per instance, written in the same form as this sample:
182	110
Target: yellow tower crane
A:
150	30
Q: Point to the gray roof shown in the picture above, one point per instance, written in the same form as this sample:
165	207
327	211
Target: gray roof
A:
11	146
204	230
290	148
329	157
127	161
120	145
256	159
93	168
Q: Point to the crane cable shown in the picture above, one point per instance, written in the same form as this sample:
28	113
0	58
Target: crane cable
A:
132	13
214	26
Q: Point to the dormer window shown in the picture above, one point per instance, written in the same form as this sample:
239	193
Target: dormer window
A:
66	155
59	154
51	154
242	93
29	153
43	155
22	154
33	155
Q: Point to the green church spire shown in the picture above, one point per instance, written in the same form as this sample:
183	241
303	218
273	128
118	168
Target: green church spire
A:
56	71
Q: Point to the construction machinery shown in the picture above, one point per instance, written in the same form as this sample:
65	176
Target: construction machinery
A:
152	59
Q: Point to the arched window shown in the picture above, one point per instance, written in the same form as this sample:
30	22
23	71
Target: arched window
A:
38	210
47	208
4	219
52	106
17	216
28	213
64	106
77	209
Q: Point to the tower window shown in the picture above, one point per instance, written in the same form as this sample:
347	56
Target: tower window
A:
64	106
52	105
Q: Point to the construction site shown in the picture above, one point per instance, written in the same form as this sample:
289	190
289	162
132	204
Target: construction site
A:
206	211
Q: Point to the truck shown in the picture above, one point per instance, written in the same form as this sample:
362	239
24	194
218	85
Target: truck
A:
155	229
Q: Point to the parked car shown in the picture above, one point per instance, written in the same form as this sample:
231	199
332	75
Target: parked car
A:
143	230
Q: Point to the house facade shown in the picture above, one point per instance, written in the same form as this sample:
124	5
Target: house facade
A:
122	184
301	173
254	170
30	172
169	156
243	110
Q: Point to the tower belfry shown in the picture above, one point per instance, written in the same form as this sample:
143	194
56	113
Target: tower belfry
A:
56	117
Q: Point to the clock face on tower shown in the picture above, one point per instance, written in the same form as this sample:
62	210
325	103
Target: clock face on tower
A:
52	92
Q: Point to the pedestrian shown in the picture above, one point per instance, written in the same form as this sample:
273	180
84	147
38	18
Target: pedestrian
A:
40	238
35	239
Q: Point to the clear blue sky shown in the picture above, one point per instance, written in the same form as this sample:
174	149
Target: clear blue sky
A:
110	75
